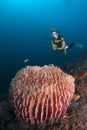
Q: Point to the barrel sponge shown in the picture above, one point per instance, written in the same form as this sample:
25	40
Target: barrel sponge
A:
41	94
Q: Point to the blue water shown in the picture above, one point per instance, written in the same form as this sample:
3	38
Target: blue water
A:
25	33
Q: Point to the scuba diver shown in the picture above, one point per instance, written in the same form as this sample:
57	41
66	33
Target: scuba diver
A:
59	43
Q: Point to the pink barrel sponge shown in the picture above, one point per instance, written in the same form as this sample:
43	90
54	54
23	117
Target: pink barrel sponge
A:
41	94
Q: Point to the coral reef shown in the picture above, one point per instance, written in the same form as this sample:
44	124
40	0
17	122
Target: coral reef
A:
80	76
5	116
75	118
41	94
4	112
77	69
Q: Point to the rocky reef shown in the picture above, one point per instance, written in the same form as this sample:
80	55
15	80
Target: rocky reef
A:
75	117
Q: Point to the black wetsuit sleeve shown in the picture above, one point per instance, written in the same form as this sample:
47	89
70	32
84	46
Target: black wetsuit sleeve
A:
59	37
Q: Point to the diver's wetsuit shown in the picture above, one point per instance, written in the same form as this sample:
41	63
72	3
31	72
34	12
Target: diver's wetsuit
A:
59	41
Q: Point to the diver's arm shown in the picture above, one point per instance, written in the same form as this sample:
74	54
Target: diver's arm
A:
61	48
63	45
57	41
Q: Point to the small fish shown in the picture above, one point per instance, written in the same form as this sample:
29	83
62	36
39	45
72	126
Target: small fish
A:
76	97
26	60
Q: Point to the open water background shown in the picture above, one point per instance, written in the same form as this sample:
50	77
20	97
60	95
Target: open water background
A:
25	33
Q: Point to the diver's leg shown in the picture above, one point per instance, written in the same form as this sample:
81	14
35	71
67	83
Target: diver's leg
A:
71	45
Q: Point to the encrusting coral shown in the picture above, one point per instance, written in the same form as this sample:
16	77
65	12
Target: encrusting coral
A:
41	94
